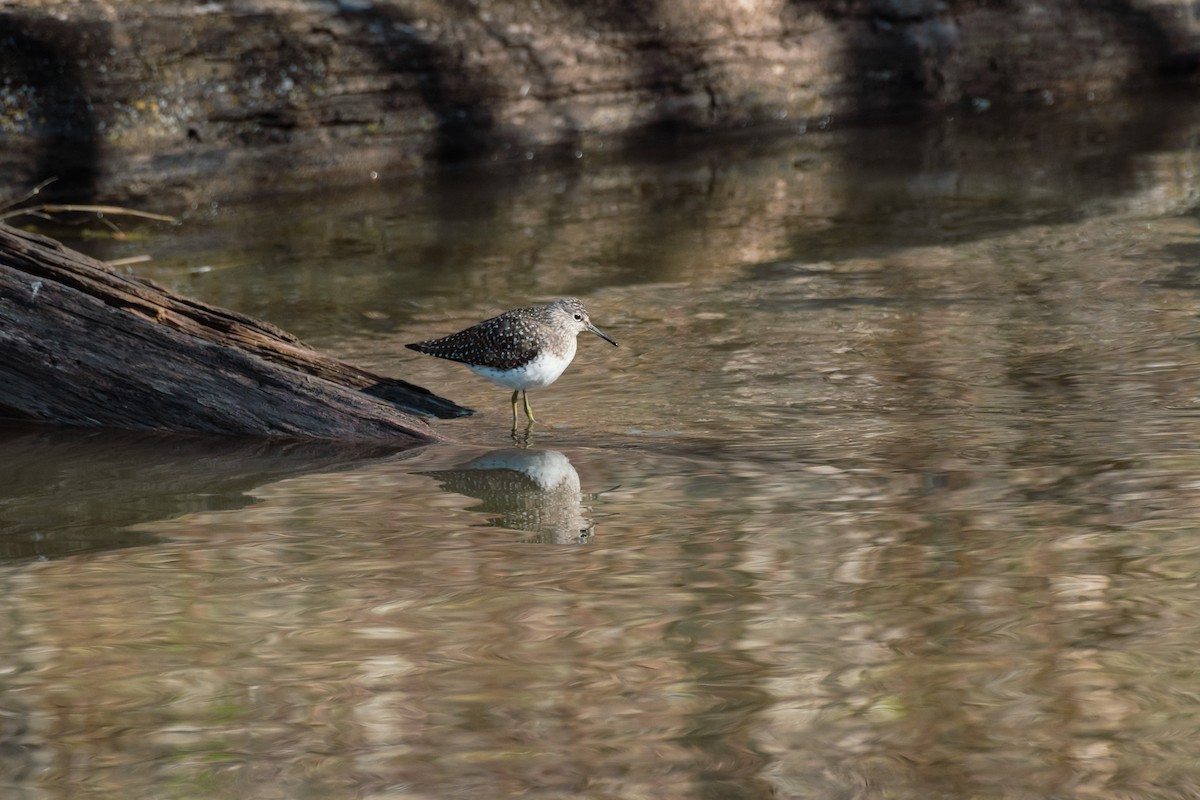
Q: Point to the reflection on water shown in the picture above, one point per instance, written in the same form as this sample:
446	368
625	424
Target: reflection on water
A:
890	492
527	490
68	491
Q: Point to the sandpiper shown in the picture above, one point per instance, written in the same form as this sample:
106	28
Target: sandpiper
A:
522	349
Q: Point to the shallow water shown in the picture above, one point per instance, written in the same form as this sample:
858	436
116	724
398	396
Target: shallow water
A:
890	491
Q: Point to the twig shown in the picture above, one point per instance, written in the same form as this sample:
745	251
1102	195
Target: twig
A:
28	195
114	210
124	262
10	210
54	208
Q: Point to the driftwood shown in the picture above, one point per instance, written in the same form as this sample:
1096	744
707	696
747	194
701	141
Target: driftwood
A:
82	344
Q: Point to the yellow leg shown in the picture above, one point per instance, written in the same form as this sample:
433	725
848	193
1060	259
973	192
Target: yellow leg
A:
528	410
514	404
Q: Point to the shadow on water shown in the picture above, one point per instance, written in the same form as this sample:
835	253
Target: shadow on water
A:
67	491
971	175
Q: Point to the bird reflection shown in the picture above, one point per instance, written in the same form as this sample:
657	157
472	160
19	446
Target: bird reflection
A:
527	490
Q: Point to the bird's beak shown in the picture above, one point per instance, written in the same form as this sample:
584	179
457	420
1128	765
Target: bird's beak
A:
602	335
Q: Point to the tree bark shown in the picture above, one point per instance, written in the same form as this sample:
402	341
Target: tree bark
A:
81	344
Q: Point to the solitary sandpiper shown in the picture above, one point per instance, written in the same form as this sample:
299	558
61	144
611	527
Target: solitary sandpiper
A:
522	349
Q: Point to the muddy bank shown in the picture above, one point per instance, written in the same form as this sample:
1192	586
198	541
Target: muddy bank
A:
179	102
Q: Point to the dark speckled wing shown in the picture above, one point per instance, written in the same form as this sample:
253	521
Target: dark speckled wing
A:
504	342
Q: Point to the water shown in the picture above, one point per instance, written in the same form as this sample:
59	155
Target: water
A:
889	491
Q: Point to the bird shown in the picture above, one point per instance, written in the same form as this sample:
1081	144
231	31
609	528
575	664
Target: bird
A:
522	349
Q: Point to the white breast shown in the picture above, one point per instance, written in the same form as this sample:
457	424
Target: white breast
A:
541	371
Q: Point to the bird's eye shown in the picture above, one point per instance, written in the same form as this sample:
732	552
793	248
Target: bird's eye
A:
579	316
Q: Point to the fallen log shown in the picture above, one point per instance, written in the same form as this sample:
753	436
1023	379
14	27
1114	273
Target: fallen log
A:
82	344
